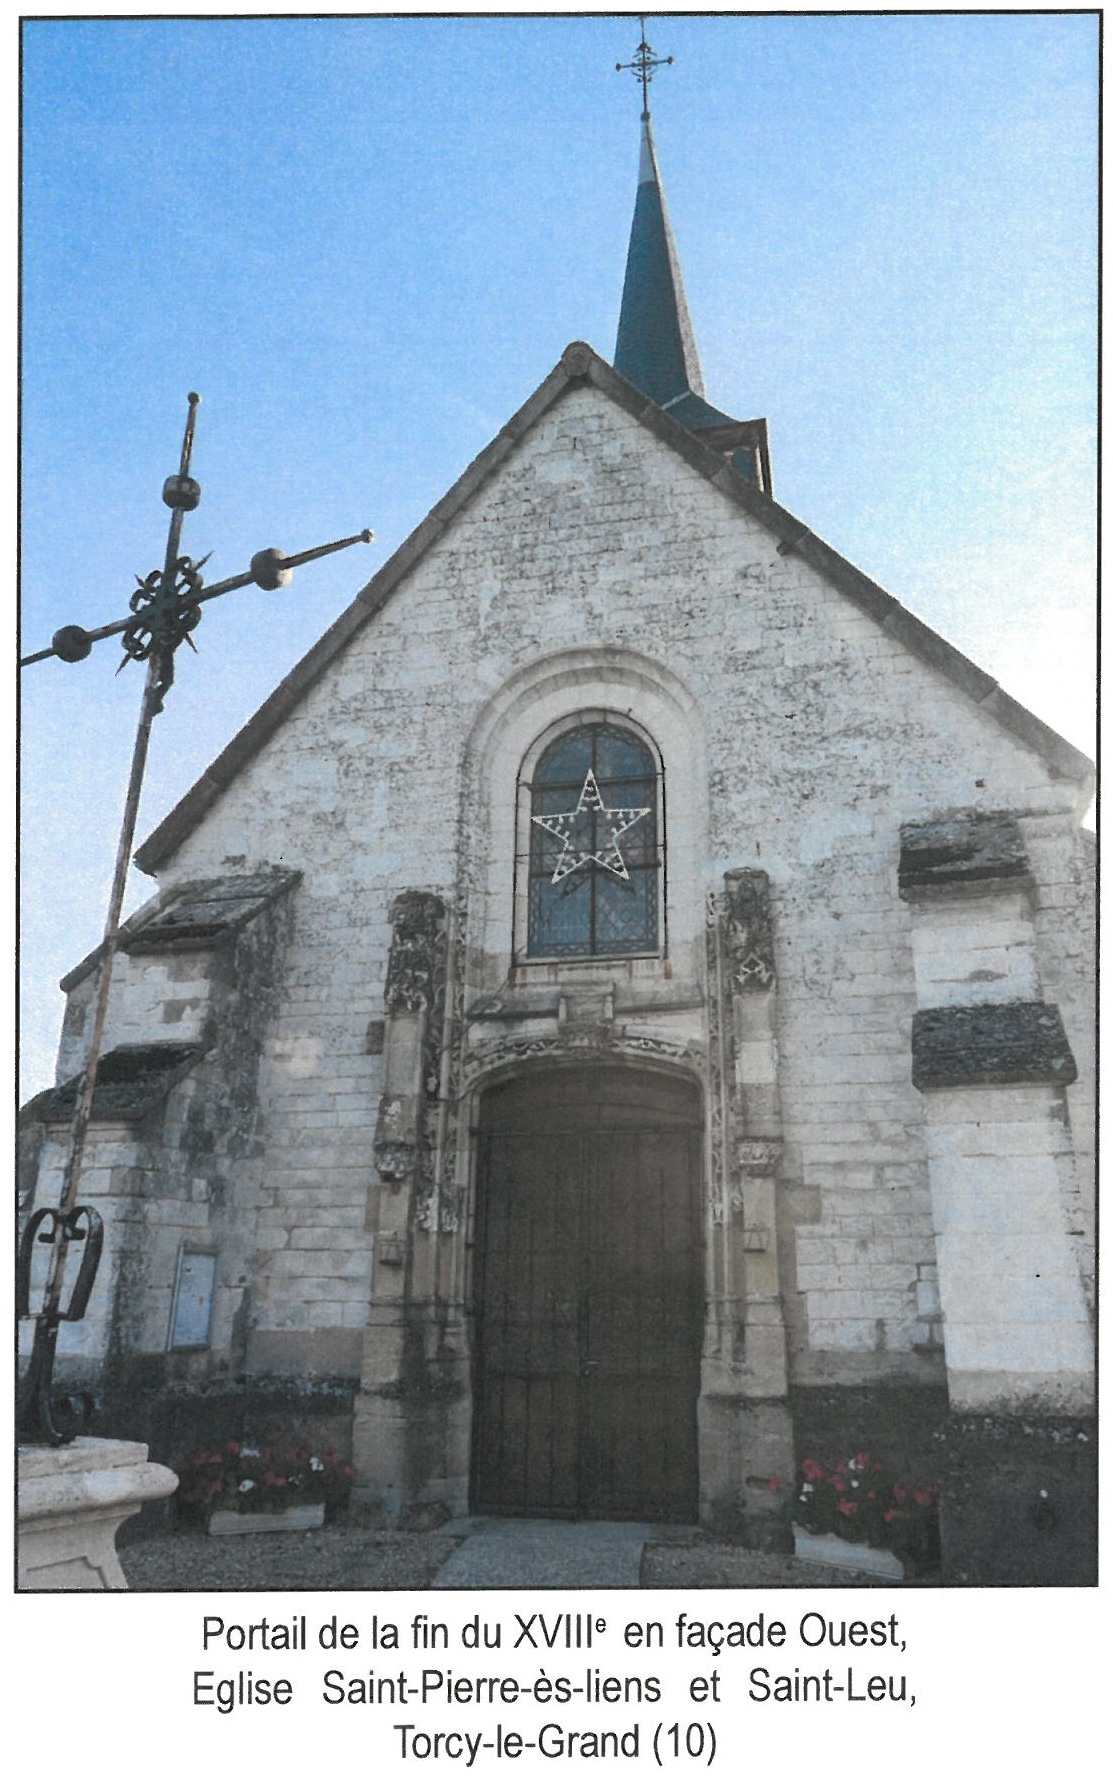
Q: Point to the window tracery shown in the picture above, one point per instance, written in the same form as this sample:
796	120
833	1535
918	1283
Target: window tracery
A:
595	857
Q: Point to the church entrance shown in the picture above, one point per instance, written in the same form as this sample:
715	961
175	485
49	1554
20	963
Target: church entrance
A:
589	1296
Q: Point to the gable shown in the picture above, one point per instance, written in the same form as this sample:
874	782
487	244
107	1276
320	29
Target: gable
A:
581	369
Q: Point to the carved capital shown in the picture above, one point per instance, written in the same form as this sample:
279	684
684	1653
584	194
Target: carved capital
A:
395	1161
747	929
416	948
757	1155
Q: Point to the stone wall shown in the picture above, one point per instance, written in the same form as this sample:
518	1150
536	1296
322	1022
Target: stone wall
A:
597	571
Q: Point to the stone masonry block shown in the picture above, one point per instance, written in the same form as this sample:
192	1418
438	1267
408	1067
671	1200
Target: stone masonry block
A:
998	1042
962	848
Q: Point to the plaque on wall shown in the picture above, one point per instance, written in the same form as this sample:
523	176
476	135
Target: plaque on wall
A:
192	1312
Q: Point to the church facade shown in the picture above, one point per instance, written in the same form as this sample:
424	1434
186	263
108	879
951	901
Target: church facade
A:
617	1021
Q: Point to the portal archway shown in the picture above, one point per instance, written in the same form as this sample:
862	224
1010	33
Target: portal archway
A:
589	1299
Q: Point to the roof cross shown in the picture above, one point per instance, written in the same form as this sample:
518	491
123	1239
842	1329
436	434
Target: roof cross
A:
645	62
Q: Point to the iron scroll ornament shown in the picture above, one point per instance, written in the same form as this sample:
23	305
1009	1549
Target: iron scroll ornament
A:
164	617
164	609
52	1419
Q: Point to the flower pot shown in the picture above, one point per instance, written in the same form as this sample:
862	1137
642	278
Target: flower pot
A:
299	1519
840	1554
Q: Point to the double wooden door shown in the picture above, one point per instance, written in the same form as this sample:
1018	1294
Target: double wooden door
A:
589	1297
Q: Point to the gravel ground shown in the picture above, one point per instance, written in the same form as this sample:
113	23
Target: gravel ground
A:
351	1557
333	1558
713	1565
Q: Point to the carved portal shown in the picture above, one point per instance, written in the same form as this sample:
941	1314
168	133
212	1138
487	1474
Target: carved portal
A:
581	1043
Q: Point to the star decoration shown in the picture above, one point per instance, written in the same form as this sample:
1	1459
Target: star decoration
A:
579	829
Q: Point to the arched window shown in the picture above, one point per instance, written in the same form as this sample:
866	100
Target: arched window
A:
594	853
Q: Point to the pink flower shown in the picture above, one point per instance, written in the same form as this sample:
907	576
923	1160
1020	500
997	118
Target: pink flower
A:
776	1484
811	1470
847	1507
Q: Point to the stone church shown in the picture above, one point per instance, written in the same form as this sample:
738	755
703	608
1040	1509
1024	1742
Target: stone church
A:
616	1021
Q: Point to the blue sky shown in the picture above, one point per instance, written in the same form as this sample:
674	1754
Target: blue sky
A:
366	240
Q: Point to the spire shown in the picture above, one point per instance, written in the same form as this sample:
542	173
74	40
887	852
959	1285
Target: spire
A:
656	347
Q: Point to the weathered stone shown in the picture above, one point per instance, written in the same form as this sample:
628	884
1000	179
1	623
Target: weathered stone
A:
1018	1501
757	1155
395	1161
965	847
72	1501
748	929
993	1042
415	952
131	1081
596	560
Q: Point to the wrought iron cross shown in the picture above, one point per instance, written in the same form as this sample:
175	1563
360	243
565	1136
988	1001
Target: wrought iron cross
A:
164	609
643	66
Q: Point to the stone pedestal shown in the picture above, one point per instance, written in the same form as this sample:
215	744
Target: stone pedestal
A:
72	1501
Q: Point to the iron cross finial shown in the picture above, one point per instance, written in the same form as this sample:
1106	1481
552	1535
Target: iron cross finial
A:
642	67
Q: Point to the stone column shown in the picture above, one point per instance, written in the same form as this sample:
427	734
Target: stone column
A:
746	1432
394	1343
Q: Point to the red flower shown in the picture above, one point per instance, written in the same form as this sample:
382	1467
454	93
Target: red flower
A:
862	1460
847	1507
840	1488
889	1516
922	1498
812	1471
899	1492
776	1484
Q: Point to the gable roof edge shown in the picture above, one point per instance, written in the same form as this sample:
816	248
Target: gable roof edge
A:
578	364
797	539
276	707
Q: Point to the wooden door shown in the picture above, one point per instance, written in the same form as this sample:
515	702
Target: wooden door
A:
589	1297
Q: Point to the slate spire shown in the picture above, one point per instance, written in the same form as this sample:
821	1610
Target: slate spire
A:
656	347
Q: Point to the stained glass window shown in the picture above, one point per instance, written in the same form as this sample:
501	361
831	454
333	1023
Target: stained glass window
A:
594	864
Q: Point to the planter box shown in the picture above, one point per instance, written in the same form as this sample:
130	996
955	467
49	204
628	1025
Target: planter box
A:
300	1519
840	1554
